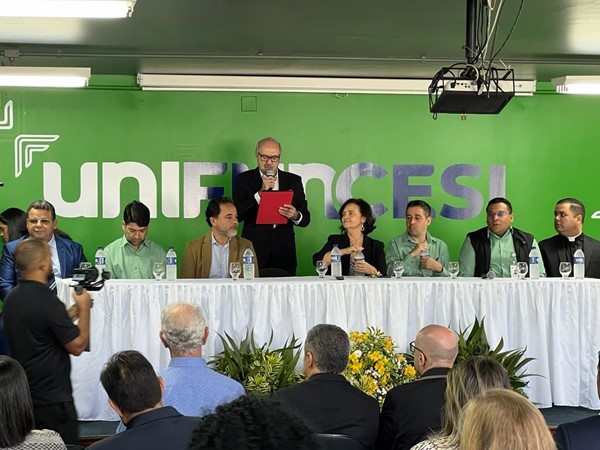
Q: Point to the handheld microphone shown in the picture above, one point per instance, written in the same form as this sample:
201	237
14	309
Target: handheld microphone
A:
270	173
489	276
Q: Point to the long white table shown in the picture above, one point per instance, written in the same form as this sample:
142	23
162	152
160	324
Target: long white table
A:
557	321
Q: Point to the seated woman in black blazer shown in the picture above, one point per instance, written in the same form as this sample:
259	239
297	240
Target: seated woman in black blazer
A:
357	222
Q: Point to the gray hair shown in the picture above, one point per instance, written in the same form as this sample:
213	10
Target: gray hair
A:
182	326
330	347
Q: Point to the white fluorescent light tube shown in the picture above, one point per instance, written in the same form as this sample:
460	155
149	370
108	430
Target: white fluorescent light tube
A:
577	85
64	77
156	82
94	9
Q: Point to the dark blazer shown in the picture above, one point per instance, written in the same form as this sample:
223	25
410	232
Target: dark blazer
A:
70	255
581	435
330	404
556	249
372	249
275	246
411	410
158	429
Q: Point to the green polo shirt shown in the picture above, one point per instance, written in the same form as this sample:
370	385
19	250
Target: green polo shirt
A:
124	262
400	247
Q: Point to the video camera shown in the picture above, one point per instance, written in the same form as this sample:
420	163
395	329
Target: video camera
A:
89	279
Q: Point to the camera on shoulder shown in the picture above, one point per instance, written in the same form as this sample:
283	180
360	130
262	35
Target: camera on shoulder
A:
89	279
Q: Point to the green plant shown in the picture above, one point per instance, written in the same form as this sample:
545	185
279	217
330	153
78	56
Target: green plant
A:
476	344
259	369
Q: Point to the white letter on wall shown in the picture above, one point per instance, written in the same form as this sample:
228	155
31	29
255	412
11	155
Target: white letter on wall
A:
86	205
193	192
170	188
112	176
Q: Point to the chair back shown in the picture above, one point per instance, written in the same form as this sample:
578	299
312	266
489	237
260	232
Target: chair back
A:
337	442
273	272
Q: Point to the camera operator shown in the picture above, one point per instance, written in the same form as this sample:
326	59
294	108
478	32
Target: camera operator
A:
41	335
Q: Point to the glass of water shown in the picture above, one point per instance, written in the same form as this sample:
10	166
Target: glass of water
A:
321	268
158	269
398	269
565	269
454	269
235	268
523	268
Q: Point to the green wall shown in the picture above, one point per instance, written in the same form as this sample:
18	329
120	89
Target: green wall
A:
547	144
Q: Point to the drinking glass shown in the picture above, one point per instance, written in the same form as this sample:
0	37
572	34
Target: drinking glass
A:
398	269
158	269
453	268
523	268
235	268
321	269
85	265
565	269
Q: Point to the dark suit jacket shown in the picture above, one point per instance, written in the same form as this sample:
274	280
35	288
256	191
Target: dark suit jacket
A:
556	249
275	246
411	409
372	249
581	435
70	255
330	404
158	429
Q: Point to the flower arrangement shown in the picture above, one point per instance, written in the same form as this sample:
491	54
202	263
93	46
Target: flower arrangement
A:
374	365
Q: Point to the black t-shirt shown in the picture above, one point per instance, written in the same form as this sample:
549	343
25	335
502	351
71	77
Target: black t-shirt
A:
38	327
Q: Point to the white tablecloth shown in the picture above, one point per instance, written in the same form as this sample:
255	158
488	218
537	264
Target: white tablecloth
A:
557	321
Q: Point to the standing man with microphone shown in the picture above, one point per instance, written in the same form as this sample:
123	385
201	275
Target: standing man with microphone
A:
275	244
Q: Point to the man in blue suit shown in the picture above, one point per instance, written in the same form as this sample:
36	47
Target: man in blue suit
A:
583	434
41	223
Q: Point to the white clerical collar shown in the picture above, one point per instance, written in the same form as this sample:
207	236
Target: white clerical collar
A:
572	238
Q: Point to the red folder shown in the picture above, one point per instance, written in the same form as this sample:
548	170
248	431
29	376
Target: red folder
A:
268	208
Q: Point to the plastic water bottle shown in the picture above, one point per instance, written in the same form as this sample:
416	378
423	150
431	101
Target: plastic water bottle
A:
171	264
336	261
579	265
358	257
426	272
514	270
100	260
248	261
534	264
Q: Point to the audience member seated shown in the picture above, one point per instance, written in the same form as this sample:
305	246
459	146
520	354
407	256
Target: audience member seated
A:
134	392
501	419
16	413
498	246
416	248
466	380
583	434
12	224
327	401
357	221
569	214
412	410
41	223
132	255
252	423
209	255
190	386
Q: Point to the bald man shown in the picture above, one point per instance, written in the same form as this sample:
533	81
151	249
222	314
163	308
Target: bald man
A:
412	410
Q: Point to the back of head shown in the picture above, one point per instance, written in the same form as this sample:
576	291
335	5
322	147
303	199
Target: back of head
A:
44	205
130	382
251	423
501	419
29	253
439	344
16	409
466	380
214	207
182	326
15	219
136	212
330	347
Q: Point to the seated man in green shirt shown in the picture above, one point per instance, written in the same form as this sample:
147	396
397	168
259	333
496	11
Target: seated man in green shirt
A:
423	254
498	246
132	255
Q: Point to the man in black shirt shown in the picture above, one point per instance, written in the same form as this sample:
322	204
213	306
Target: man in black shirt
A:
41	335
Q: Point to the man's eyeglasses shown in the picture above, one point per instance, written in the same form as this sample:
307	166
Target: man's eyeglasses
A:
414	348
500	214
44	222
265	158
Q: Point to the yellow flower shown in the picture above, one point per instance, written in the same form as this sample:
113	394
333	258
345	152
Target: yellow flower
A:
400	357
380	367
410	371
375	356
388	344
355	335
